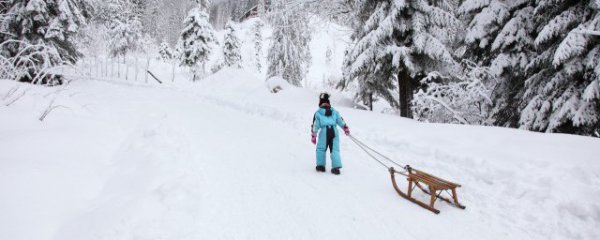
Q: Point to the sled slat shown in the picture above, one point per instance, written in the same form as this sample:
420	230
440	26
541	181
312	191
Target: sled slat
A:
437	178
435	187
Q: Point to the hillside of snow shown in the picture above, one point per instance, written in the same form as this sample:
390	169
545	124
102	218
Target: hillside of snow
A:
224	158
324	72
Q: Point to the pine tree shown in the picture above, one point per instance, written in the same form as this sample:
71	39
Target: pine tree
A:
240	9
258	39
396	43
125	34
231	47
196	38
261	8
204	5
165	51
122	18
49	25
562	92
500	36
289	55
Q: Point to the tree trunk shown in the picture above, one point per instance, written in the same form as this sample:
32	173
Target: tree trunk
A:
371	101
112	68
405	91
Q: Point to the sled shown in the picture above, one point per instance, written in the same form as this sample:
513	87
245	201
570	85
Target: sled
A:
435	187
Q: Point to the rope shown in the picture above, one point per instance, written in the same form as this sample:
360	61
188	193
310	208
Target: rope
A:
369	151
373	150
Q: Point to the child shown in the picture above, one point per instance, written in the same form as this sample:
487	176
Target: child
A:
324	123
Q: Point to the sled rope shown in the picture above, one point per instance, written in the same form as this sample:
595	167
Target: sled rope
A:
370	151
416	179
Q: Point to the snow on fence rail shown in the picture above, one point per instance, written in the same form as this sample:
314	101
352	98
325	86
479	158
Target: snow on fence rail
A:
128	68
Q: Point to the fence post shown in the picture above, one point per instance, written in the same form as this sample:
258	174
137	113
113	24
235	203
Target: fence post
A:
112	69
147	68
118	68
136	69
126	69
173	72
89	68
96	65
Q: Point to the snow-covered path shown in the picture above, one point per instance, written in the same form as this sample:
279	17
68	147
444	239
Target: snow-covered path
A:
225	159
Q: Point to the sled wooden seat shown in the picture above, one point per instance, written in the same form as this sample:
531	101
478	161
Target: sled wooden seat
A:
435	186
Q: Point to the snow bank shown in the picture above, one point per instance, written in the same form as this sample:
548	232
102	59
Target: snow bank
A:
238	84
224	158
276	84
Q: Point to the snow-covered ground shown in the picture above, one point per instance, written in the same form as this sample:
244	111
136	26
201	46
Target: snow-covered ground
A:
224	158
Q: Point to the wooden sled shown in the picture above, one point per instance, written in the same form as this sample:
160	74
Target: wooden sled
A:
435	187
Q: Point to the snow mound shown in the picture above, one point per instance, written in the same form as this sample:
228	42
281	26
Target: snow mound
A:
277	84
224	158
233	83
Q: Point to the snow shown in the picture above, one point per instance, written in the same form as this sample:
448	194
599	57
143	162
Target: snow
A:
573	45
321	76
559	24
224	158
227	157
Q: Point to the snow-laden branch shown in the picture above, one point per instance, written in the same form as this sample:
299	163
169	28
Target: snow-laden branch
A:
15	99
455	114
36	59
588	32
49	109
465	98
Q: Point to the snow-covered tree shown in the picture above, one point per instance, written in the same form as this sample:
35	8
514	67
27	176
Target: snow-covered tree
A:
196	38
261	8
258	40
240	9
165	51
499	34
148	45
328	56
162	18
231	47
395	44
562	91
125	34
204	5
289	54
464	99
31	26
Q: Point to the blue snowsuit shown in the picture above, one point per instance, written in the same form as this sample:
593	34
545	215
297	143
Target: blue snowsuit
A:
326	120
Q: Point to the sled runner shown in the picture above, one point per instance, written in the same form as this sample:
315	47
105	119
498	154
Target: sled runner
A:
435	187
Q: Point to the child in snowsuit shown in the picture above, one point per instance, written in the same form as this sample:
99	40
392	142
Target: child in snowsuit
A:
324	124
